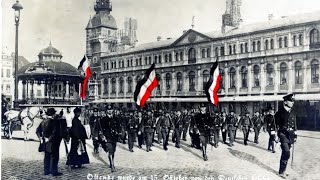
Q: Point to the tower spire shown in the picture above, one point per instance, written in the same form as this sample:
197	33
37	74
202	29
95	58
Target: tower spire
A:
192	25
103	5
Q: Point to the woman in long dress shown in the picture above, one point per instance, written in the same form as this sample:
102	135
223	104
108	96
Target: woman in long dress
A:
78	152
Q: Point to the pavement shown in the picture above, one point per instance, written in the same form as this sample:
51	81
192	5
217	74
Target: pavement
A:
21	160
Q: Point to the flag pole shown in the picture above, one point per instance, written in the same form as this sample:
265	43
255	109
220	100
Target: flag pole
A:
80	89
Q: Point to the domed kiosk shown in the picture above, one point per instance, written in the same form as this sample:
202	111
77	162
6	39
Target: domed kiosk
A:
49	80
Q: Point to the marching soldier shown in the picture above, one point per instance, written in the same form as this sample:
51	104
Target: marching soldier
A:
201	122
139	120
109	129
164	123
186	124
216	125
246	124
257	124
224	127
286	122
158	127
271	128
178	127
194	132
148	124
232	123
123	118
132	127
93	123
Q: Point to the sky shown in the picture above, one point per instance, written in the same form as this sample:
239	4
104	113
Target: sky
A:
64	21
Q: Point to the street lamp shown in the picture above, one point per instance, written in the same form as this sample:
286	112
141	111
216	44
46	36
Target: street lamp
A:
17	7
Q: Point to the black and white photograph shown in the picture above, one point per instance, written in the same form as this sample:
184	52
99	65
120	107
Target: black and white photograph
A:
160	89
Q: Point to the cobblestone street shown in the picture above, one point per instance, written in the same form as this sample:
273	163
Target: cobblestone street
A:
21	160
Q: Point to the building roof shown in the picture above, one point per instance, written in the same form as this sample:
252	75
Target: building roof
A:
102	19
244	29
50	50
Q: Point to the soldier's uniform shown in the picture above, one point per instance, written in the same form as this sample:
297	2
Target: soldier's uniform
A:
215	126
186	124
123	118
178	128
194	133
224	128
148	124
201	122
164	123
94	131
257	124
246	124
271	128
140	133
232	123
286	121
132	127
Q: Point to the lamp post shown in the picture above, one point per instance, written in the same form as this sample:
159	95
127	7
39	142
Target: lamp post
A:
17	7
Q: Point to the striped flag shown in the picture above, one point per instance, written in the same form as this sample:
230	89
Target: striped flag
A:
145	86
84	65
213	84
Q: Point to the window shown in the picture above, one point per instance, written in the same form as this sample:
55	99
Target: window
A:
244	77
315	71
121	85
8	73
158	77
230	49
8	87
38	93
179	81
150	62
155	59
131	63
294	40
246	47
181	55
105	86
256	75
192	55
123	63
269	75
300	40
254	46
206	76
232	78
222	51
177	56
208	52
160	59
129	84
203	53
166	58
216	51
140	61
192	83
283	73
145	60
128	63
222	82
137	62
271	44
241	48
113	85
280	42
168	81
258	46
234	49
170	57
298	72
267	44
314	36
285	41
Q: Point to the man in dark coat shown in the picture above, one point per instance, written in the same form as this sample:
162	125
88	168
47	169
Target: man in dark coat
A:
164	123
186	123
148	128
246	124
215	126
232	126
93	123
54	130
257	124
139	120
224	127
132	127
271	128
109	135
178	127
201	121
286	122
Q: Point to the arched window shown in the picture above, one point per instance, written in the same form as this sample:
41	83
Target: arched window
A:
166	58
150	62
246	47
314	36
179	81
128	63
192	55
222	51
230	49
270	75
298	72
259	46
181	56
267	44
168	81
300	39
315	71
155	59
254	46
244	77
234	49
203	53
256	75
129	84
283	73
216	51
177	56
232	77
113	85
192	82
105	87
170	57
160	60
140	61
158	77
280	42
121	85
285	41
294	40
208	52
222	82
271	44
145	60
241	48
206	76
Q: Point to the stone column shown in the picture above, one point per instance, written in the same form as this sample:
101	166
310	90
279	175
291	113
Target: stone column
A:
290	76
173	56
305	74
163	87
67	89
290	40
263	77
211	52
32	93
250	79
23	90
109	87
117	86
226	78
238	79
174	84
276	79
199	80
185	82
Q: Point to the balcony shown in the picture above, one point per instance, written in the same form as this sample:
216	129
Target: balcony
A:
314	46
256	90
244	90
283	87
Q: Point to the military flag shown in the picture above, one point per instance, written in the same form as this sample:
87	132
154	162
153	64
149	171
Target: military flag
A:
213	84
85	67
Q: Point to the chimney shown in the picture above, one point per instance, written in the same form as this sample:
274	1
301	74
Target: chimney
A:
184	31
270	17
158	38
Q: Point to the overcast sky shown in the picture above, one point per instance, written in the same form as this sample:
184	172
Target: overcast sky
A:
64	21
